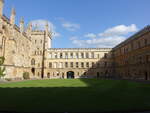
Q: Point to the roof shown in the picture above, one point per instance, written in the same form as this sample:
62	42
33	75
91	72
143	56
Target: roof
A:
79	49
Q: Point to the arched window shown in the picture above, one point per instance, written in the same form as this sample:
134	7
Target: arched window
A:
33	61
71	55
92	54
50	65
87	64
61	55
82	55
82	64
77	55
77	64
71	64
66	64
87	55
66	55
55	55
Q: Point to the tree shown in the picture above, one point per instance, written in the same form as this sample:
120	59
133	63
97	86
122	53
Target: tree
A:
2	69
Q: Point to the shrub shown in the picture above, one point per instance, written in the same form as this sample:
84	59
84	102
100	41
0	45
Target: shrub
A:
26	75
8	79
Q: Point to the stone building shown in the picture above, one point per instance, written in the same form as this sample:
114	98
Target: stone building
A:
131	58
18	45
75	62
28	50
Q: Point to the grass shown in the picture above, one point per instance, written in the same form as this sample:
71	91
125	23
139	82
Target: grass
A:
74	95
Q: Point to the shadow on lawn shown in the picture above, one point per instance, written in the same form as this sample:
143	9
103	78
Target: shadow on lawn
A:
45	99
76	99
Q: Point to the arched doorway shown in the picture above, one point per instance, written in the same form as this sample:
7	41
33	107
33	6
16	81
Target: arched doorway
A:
146	76
33	71
48	75
98	75
70	74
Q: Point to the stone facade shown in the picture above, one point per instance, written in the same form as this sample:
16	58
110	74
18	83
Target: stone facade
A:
83	62
131	58
28	50
24	50
18	45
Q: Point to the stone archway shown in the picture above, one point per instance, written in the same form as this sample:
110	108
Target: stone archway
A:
98	75
33	71
146	75
48	75
70	75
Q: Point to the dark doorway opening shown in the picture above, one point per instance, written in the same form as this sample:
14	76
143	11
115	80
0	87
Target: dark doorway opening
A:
48	75
146	76
70	74
33	71
98	75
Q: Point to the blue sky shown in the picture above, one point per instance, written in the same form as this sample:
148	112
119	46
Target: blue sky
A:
84	23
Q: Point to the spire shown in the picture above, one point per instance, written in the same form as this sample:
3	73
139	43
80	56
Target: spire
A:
22	24
29	28
48	37
12	17
47	27
13	12
22	20
36	27
1	7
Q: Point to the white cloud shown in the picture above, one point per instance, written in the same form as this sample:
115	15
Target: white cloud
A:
80	43
40	25
71	26
104	42
68	25
119	30
108	39
90	35
73	38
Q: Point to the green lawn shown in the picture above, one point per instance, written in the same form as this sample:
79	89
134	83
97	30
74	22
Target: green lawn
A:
87	95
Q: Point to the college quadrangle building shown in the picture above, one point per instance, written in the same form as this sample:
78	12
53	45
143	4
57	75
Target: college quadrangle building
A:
28	50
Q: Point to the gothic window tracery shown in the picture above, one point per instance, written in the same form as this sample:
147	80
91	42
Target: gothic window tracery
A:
33	61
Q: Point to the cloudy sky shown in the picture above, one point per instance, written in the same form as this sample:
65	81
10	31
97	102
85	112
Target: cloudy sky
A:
84	23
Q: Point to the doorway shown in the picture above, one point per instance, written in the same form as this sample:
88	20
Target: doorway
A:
98	75
48	75
33	71
146	76
70	75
